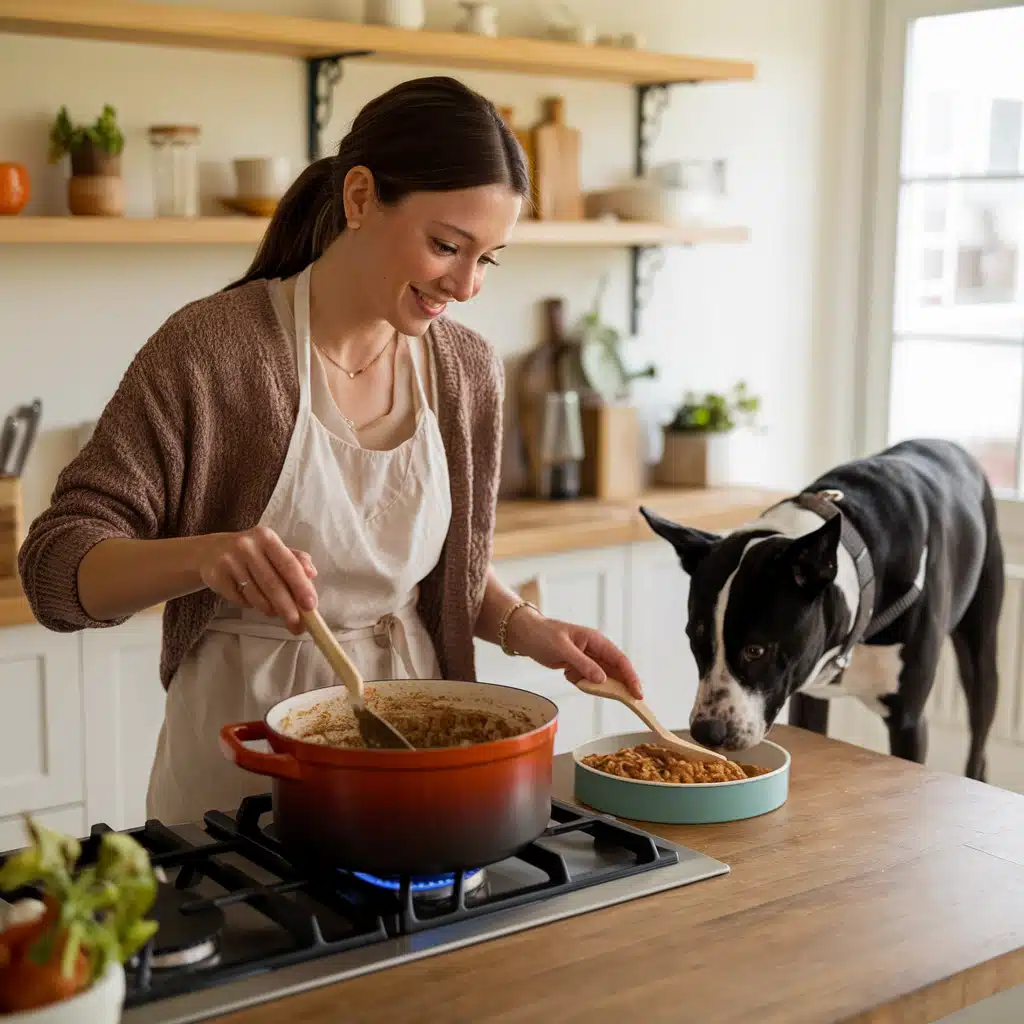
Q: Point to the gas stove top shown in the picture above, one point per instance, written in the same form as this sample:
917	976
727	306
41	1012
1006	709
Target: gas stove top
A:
240	925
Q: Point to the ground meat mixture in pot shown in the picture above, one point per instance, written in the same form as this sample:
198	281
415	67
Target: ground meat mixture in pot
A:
650	763
427	723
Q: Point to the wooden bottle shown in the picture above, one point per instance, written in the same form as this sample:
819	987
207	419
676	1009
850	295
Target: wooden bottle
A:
556	156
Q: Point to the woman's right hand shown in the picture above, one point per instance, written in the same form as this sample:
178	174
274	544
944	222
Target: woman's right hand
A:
256	569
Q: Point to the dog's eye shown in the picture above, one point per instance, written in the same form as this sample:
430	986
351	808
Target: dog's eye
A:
698	630
752	652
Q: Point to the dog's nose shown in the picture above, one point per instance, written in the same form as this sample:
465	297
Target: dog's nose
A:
709	731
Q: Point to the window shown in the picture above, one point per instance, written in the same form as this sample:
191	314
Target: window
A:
956	364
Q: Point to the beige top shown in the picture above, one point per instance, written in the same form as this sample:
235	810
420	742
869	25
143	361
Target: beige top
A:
399	422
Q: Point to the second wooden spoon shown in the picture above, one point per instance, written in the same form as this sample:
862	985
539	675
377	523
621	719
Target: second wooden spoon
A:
615	690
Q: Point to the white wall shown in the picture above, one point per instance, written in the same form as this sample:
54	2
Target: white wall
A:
71	317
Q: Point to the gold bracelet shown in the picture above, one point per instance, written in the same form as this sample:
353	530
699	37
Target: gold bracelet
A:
503	626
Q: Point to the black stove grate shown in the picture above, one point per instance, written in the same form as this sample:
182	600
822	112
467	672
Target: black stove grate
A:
399	912
312	916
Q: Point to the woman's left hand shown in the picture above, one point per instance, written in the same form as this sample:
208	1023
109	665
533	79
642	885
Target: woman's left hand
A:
581	652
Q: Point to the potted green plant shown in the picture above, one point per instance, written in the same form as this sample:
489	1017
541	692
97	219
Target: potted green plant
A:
95	187
62	954
698	438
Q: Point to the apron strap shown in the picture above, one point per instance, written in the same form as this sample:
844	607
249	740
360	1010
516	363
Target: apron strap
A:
388	631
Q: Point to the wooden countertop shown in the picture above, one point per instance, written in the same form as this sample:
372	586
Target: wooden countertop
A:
528	528
879	893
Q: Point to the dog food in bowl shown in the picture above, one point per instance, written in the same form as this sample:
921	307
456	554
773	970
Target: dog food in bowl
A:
428	723
648	762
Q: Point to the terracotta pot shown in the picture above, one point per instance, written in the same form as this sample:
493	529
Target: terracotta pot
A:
96	195
405	812
15	188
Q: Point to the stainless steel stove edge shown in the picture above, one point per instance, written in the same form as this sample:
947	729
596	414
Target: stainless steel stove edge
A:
276	984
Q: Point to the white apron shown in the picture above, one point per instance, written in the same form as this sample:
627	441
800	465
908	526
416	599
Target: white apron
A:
374	523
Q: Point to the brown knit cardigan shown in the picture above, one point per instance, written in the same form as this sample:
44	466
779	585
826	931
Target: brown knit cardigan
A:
193	442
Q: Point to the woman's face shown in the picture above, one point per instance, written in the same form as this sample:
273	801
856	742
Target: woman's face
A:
430	249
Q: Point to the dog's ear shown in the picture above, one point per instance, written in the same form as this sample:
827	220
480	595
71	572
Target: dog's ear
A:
813	559
692	545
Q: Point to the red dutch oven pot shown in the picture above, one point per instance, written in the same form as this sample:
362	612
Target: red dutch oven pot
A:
405	812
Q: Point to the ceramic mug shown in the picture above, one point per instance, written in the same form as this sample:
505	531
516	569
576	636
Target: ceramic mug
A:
480	19
262	177
396	13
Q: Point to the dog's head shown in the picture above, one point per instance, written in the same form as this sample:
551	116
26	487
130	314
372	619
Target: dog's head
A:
763	610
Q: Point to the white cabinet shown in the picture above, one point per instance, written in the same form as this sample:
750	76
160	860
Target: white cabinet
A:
124	707
40	720
71	820
657	643
79	716
584	587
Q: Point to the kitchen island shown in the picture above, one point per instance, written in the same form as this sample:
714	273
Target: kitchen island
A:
879	893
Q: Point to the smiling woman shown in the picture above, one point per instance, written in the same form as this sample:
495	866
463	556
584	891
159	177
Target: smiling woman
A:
318	434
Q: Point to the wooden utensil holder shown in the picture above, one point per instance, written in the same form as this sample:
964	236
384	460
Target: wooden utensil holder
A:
12	524
612	466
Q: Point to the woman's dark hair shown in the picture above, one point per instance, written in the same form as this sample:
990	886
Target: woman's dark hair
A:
425	135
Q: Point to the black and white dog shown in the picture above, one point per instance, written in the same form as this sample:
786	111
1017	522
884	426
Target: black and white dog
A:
849	588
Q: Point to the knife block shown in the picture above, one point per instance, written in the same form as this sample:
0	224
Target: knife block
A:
12	525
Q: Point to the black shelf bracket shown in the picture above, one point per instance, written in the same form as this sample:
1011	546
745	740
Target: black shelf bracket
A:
645	261
322	77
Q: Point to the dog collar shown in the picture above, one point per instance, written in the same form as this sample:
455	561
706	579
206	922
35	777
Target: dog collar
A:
866	624
823	503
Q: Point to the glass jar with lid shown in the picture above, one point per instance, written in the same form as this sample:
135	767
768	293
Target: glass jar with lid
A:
175	169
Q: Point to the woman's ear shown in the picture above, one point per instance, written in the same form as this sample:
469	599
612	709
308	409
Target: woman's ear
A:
358	194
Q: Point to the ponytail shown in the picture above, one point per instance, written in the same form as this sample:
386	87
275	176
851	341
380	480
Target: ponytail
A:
304	224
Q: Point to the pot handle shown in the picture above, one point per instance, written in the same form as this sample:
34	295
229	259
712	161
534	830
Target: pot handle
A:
232	745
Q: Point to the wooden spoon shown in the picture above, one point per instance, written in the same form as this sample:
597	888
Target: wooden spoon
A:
615	690
375	731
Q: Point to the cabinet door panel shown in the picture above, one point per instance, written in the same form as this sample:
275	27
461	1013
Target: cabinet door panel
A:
40	720
657	642
124	708
586	588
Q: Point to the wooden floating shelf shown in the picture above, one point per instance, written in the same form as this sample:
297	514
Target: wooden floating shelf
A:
240	31
249	231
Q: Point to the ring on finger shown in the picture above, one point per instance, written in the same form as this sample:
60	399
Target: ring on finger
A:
243	585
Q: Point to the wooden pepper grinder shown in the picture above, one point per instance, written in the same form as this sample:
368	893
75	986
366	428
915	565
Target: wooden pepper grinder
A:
556	156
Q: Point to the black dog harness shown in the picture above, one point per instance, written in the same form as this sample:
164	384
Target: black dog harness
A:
866	624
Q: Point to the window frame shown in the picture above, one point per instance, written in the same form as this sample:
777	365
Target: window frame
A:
892	20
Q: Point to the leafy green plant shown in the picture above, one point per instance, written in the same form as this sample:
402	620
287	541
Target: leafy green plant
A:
715	412
104	134
96	911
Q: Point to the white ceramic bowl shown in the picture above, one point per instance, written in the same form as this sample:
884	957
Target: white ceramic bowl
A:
99	1004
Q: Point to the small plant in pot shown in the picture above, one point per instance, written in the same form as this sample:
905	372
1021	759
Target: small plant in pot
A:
75	917
698	438
95	187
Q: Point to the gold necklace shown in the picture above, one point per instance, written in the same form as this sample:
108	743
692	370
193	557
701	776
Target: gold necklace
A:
352	374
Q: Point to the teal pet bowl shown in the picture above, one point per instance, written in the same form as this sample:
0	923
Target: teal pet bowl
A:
701	803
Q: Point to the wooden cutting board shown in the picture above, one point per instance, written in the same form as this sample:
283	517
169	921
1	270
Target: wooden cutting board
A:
556	161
